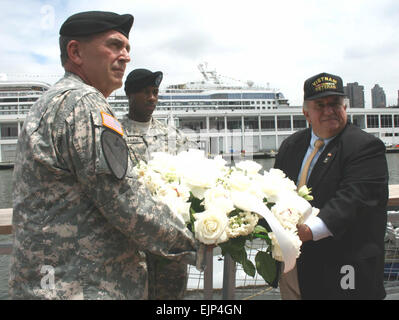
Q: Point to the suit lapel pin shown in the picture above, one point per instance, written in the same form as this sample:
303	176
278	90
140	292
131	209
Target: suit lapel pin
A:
327	158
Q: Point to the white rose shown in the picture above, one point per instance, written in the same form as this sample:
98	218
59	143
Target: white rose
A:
210	227
244	200
198	172
220	163
275	185
165	164
218	198
238	181
277	173
249	166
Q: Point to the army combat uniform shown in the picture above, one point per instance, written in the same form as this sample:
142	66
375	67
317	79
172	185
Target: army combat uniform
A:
166	279
75	216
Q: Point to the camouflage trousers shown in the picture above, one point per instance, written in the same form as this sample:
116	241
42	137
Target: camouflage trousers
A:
167	280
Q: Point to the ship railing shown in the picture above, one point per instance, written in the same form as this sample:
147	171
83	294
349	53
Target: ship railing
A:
232	283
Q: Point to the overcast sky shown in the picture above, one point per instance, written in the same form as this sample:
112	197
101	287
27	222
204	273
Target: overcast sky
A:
280	42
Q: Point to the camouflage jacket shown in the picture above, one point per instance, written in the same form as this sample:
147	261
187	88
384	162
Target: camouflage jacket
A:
159	138
166	280
79	232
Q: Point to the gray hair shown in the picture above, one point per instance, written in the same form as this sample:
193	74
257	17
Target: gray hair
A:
64	40
345	101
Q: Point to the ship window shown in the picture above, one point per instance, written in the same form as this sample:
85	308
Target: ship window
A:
358	120
216	123
233	123
299	122
267	123
372	121
386	121
251	123
192	124
283	122
9	130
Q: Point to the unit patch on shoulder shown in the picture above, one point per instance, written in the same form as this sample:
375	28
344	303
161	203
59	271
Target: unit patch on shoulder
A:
111	123
115	152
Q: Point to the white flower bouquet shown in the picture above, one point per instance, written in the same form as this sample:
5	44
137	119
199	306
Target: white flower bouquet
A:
225	206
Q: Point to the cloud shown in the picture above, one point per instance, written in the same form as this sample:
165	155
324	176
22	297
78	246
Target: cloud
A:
277	42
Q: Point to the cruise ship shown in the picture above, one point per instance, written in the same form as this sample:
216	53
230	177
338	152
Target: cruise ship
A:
223	118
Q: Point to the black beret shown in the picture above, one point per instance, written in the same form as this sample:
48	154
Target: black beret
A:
141	78
92	22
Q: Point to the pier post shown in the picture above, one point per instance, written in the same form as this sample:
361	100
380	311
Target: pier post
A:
208	274
229	278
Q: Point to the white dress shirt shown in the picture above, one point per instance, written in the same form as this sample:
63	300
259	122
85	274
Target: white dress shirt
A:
316	225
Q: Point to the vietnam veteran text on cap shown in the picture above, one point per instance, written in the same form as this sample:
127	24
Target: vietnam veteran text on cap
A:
92	22
322	85
141	78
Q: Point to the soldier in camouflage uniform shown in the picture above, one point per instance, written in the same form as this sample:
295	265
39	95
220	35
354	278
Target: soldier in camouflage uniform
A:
81	219
166	279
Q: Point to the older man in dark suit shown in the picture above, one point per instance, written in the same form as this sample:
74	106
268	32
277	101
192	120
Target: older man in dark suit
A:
343	247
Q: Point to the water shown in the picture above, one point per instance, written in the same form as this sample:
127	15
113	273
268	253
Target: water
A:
6	202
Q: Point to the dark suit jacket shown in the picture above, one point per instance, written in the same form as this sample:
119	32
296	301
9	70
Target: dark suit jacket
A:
350	187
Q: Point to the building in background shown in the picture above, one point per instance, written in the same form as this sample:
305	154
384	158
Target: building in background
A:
378	98
355	93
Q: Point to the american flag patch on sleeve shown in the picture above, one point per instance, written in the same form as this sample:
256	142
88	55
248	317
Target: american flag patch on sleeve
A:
111	123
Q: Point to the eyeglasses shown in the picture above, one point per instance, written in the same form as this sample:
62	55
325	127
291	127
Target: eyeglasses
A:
335	106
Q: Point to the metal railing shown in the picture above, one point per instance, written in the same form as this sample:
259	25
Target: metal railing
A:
223	279
238	285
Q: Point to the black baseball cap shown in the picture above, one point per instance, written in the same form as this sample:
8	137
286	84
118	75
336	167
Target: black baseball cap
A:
141	78
323	85
92	22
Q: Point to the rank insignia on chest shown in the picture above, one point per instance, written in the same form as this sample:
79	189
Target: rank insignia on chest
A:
111	123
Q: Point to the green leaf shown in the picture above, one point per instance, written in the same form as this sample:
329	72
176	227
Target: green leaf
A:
249	268
260	229
235	247
268	268
262	236
196	205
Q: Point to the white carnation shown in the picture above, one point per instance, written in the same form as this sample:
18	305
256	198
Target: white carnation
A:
287	216
242	224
